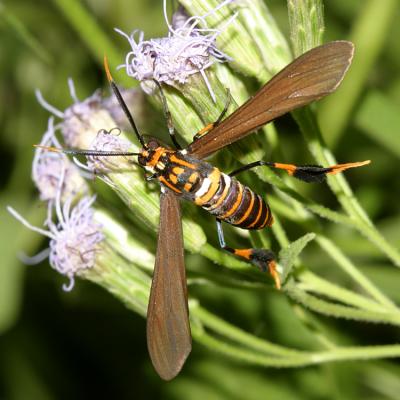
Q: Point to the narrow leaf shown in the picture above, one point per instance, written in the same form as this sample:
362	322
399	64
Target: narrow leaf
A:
289	254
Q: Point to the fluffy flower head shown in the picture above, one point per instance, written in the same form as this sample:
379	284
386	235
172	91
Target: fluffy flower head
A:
189	48
74	240
48	168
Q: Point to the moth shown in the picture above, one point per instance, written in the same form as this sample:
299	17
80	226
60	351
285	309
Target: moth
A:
184	174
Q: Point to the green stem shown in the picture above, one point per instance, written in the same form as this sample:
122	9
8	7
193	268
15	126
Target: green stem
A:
243	355
310	130
339	311
312	283
371	233
306	22
347	266
124	280
232	332
337	354
336	254
339	185
357	353
280	233
369	36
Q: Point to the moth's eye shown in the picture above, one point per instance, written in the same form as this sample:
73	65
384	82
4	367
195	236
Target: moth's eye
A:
142	159
153	144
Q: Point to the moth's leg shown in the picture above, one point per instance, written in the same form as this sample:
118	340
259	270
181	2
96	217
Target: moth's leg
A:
306	173
262	258
168	117
212	125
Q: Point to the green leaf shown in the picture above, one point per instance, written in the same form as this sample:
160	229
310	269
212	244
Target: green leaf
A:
289	254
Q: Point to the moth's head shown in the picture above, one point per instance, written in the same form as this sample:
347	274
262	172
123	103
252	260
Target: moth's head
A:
149	155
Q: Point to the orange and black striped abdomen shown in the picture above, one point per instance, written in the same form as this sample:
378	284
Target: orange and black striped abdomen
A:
238	205
218	193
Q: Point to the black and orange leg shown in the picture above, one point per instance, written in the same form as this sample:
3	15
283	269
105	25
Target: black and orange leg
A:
306	173
168	117
208	127
263	259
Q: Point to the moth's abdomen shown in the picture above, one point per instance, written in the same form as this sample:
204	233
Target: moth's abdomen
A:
230	201
218	193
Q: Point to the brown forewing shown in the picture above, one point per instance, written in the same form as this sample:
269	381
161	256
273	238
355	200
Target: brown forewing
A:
309	77
168	330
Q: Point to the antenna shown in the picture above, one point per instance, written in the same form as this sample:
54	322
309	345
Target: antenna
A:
98	153
122	103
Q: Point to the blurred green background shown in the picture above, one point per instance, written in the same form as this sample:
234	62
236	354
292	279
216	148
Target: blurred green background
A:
85	344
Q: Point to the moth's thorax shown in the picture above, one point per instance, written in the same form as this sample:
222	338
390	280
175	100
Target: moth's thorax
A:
153	157
176	170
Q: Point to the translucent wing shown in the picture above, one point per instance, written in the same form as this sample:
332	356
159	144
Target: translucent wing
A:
310	77
168	330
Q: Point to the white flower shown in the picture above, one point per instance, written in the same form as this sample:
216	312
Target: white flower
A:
83	119
74	239
48	167
107	141
189	48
